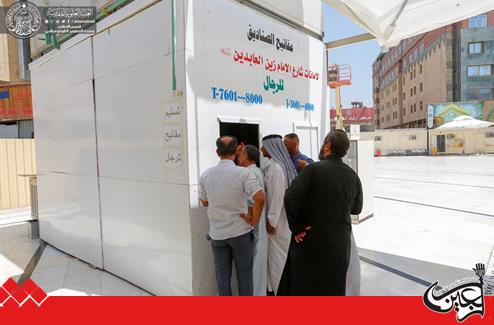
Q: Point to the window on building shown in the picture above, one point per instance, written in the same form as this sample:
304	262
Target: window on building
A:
414	108
475	48
485	70
486	93
411	92
473	71
479	93
404	112
377	138
414	73
478	21
415	90
421	105
421	87
412	137
450	136
479	70
411	108
404	96
489	134
420	68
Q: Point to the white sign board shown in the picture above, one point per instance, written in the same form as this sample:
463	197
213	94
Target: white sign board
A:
355	132
247	66
259	62
430	116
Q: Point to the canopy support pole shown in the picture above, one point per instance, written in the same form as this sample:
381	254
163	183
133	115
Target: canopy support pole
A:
350	40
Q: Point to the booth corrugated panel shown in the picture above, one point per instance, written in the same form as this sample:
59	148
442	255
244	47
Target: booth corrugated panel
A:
26	129
9	131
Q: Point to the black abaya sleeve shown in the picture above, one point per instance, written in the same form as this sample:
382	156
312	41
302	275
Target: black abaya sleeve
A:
295	199
359	200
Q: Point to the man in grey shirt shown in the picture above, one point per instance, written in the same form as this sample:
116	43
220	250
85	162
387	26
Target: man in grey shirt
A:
225	189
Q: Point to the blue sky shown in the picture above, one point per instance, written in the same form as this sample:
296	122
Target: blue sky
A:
360	56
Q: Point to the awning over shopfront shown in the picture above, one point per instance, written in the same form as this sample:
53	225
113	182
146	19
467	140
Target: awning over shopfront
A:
465	122
390	21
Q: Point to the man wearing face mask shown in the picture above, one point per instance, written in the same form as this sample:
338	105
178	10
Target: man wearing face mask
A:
318	206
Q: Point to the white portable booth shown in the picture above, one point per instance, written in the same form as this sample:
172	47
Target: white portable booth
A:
126	121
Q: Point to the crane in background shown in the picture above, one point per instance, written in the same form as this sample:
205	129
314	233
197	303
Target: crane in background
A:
339	75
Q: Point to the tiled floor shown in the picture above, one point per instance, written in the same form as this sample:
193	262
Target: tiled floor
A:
63	275
434	219
57	273
16	250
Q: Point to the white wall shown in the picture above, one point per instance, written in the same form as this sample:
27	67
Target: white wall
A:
112	188
144	206
143	228
216	31
66	152
397	142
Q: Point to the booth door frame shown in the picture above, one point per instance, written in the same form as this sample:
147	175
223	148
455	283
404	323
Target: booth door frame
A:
241	120
314	142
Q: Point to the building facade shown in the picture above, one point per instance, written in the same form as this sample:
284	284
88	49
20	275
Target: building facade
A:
477	58
358	114
452	63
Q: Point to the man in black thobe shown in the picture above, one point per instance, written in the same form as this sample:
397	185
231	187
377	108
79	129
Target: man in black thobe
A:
318	206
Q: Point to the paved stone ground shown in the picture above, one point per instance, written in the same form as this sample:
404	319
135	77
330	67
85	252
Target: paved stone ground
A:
434	219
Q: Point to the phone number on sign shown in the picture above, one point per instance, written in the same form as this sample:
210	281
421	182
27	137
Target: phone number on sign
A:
295	104
234	96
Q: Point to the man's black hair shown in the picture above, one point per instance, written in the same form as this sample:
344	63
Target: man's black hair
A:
339	142
226	145
252	153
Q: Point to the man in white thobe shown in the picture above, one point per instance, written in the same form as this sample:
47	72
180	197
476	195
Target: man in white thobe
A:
279	172
353	272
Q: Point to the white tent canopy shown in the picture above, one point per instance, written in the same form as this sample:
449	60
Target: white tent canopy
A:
390	21
465	122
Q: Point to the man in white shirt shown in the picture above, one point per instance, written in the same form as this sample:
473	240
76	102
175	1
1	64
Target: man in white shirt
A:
248	157
225	189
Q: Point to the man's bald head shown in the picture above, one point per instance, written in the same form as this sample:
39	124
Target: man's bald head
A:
292	142
226	146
